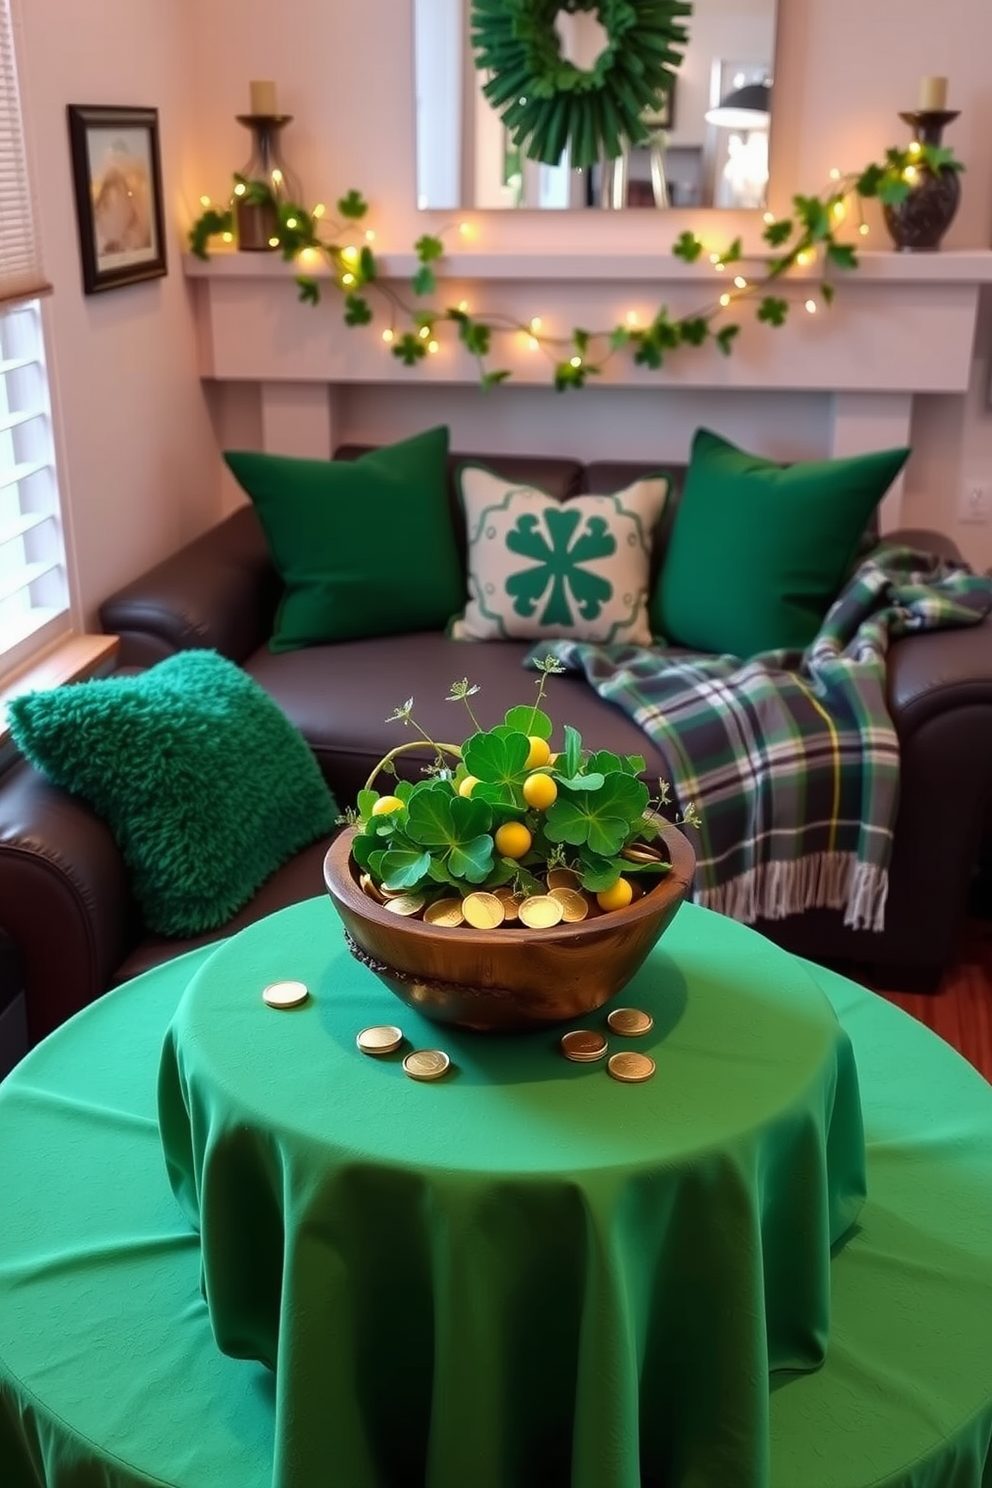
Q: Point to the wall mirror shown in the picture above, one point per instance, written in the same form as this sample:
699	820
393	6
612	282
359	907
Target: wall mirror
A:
707	144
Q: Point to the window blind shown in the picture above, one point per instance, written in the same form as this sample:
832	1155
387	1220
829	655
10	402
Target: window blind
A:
21	275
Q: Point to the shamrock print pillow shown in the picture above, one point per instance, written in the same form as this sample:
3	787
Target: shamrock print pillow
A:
538	567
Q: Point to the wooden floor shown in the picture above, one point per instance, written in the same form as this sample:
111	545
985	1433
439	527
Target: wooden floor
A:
961	1011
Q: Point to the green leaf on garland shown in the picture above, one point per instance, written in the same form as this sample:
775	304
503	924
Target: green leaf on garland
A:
940	157
892	192
493	379
424	319
580	339
424	282
725	337
357	310
779	232
353	205
409	349
844	255
813	214
648	353
309	290
367	266
827	290
773	310
475	335
869	180
620	337
695	329
428	248
687	246
567	376
210	224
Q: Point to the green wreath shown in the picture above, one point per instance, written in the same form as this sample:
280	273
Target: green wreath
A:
547	102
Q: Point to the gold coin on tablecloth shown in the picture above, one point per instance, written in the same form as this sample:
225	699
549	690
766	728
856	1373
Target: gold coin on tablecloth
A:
445	912
583	1045
540	912
406	904
285	994
426	1064
383	1038
368	886
511	901
561	878
630	1069
574	905
630	1021
482	911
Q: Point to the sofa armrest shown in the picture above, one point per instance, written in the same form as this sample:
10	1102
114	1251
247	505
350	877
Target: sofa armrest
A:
932	673
925	540
64	897
219	592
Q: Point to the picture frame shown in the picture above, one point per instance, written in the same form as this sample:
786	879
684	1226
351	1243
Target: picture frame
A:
662	117
117	179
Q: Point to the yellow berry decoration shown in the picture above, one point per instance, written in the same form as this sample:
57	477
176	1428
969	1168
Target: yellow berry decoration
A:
385	804
540	753
467	786
540	791
512	840
618	897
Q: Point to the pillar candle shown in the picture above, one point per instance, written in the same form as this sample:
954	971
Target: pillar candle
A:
263	98
933	94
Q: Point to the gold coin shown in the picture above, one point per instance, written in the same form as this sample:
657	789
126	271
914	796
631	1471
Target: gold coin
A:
406	904
445	912
561	878
630	1021
426	1064
640	852
285	994
631	1069
583	1045
483	911
574	906
511	901
382	1039
368	886
540	911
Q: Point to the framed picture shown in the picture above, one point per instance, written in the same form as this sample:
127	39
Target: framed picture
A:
662	116
117	177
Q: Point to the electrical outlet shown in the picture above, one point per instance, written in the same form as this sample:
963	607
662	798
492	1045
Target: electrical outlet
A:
976	501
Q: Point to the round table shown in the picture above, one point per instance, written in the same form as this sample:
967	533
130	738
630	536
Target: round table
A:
526	1273
110	1376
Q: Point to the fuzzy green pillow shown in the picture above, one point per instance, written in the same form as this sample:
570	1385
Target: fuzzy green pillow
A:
759	551
364	547
206	785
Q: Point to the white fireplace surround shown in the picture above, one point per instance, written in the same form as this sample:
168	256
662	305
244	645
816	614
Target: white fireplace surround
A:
836	382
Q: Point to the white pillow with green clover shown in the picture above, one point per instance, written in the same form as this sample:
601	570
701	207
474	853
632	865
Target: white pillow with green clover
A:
540	568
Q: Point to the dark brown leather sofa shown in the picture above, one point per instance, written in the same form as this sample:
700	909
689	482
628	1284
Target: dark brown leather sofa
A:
64	894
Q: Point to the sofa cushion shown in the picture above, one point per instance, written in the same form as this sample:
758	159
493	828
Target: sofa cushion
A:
540	568
759	551
205	784
364	547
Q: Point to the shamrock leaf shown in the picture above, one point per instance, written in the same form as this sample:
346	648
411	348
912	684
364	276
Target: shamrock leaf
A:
843	255
529	721
773	310
472	860
409	349
353	205
309	290
687	246
694	329
492	379
367	265
498	758
428	248
779	232
725	336
404	868
424	282
357	310
602	819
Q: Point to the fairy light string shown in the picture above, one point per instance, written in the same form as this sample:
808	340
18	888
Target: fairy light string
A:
805	240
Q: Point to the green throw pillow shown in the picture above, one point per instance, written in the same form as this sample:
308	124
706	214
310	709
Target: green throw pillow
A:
759	551
541	568
364	547
204	782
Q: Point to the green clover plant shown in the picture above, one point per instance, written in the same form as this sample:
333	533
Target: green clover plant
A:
575	808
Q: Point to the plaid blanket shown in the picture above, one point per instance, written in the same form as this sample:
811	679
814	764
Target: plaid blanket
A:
791	759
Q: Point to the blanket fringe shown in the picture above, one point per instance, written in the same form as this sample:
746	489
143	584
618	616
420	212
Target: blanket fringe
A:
771	891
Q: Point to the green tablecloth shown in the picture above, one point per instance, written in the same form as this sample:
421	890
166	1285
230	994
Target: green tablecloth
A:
110	1378
526	1274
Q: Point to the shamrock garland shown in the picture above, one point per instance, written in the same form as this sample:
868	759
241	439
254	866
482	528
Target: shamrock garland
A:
808	235
547	103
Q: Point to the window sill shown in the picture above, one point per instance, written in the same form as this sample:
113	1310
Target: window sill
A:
72	660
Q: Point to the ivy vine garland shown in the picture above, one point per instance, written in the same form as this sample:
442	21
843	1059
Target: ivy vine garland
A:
547	103
806	237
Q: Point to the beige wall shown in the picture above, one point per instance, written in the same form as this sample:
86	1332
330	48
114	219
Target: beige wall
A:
141	462
138	466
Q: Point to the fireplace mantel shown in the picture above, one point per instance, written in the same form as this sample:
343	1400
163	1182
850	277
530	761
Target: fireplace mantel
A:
901	326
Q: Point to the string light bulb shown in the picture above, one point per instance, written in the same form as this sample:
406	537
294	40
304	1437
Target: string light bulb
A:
839	210
347	279
632	317
915	147
277	177
369	235
725	300
533	343
350	254
910	173
535	324
768	218
273	242
463	306
575	361
240	189
318	210
805	256
204	201
424	332
291	222
228	237
465	228
864	229
432	347
811	307
387	336
715	260
834	174
740	281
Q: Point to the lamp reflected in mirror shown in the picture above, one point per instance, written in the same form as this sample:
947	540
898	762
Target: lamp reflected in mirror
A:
737	124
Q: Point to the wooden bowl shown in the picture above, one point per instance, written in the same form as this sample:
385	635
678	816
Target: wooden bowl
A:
505	979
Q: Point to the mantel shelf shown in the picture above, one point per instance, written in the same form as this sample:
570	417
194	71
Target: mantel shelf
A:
965	266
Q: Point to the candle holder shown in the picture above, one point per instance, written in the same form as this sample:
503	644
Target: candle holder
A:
918	223
257	222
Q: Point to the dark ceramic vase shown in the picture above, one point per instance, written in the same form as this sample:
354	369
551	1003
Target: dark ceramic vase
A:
918	223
